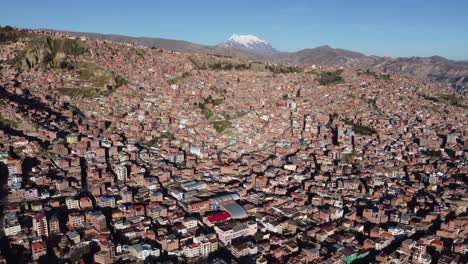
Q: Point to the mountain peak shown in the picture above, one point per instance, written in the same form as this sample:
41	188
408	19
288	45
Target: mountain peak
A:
246	39
250	43
325	47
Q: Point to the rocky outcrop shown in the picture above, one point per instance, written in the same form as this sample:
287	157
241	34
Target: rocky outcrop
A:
47	52
60	53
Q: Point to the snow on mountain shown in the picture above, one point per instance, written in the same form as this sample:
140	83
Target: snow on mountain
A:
247	40
250	43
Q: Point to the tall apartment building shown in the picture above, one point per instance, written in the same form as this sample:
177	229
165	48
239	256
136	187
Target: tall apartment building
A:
40	225
121	172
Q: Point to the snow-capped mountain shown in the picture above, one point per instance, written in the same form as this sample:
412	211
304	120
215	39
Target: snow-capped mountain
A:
250	43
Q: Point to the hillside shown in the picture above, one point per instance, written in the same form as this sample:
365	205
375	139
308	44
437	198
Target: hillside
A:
223	94
434	69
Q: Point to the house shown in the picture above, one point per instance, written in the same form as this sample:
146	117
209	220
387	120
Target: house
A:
242	249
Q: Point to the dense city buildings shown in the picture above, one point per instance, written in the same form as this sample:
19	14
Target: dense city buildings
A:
114	152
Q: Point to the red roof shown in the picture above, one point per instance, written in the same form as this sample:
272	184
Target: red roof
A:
38	245
40	216
138	207
219	217
154	204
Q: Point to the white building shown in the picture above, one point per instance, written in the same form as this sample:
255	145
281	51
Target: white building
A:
201	246
231	230
190	222
142	251
72	203
273	227
14	167
11	225
396	231
121	172
105	201
193	185
14	181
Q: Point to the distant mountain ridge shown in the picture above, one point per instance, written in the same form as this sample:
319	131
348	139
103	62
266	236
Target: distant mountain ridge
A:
434	69
323	55
169	44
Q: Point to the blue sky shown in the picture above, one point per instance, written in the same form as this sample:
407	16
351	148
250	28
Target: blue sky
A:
385	28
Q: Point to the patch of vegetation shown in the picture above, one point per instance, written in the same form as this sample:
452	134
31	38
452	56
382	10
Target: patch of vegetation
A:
346	121
221	125
450	99
120	81
454	100
217	101
8	34
282	69
431	98
225	123
66	65
432	153
242	67
156	140
385	77
85	92
42	152
99	76
141	53
209	100
179	78
360	129
218	125
348	157
152	142
220	64
217	63
363	130
6	123
330	77
227	66
196	64
207	112
62	141
228	116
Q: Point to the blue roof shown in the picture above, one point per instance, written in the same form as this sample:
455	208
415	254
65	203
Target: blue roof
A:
106	198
